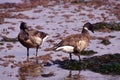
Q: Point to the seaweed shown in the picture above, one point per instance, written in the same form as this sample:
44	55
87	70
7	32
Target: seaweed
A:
105	64
88	52
109	26
105	42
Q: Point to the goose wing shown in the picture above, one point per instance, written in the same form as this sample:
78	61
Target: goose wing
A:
70	40
37	37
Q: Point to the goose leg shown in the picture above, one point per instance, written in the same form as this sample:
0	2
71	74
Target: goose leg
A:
70	56
36	55
79	58
36	51
27	54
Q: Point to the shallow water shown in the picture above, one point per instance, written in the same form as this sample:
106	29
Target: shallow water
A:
58	22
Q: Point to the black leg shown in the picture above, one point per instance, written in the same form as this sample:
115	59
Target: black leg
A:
79	58
27	54
70	56
36	55
36	51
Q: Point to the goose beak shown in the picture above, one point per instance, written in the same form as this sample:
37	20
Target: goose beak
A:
92	30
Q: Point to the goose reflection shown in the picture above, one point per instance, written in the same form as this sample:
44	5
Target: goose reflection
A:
30	70
74	76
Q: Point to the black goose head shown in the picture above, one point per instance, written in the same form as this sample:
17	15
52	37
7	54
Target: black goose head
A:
23	26
89	26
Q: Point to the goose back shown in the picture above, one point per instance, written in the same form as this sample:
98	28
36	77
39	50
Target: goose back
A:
31	38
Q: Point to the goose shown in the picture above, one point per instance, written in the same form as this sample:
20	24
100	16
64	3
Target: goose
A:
76	43
31	38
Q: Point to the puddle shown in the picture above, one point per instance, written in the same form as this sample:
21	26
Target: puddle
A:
29	70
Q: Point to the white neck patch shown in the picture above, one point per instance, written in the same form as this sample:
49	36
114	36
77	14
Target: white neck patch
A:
86	28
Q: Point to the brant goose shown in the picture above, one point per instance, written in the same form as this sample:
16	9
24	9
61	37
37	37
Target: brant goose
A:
30	38
77	42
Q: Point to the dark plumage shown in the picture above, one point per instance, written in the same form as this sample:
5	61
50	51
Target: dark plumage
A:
31	38
77	42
